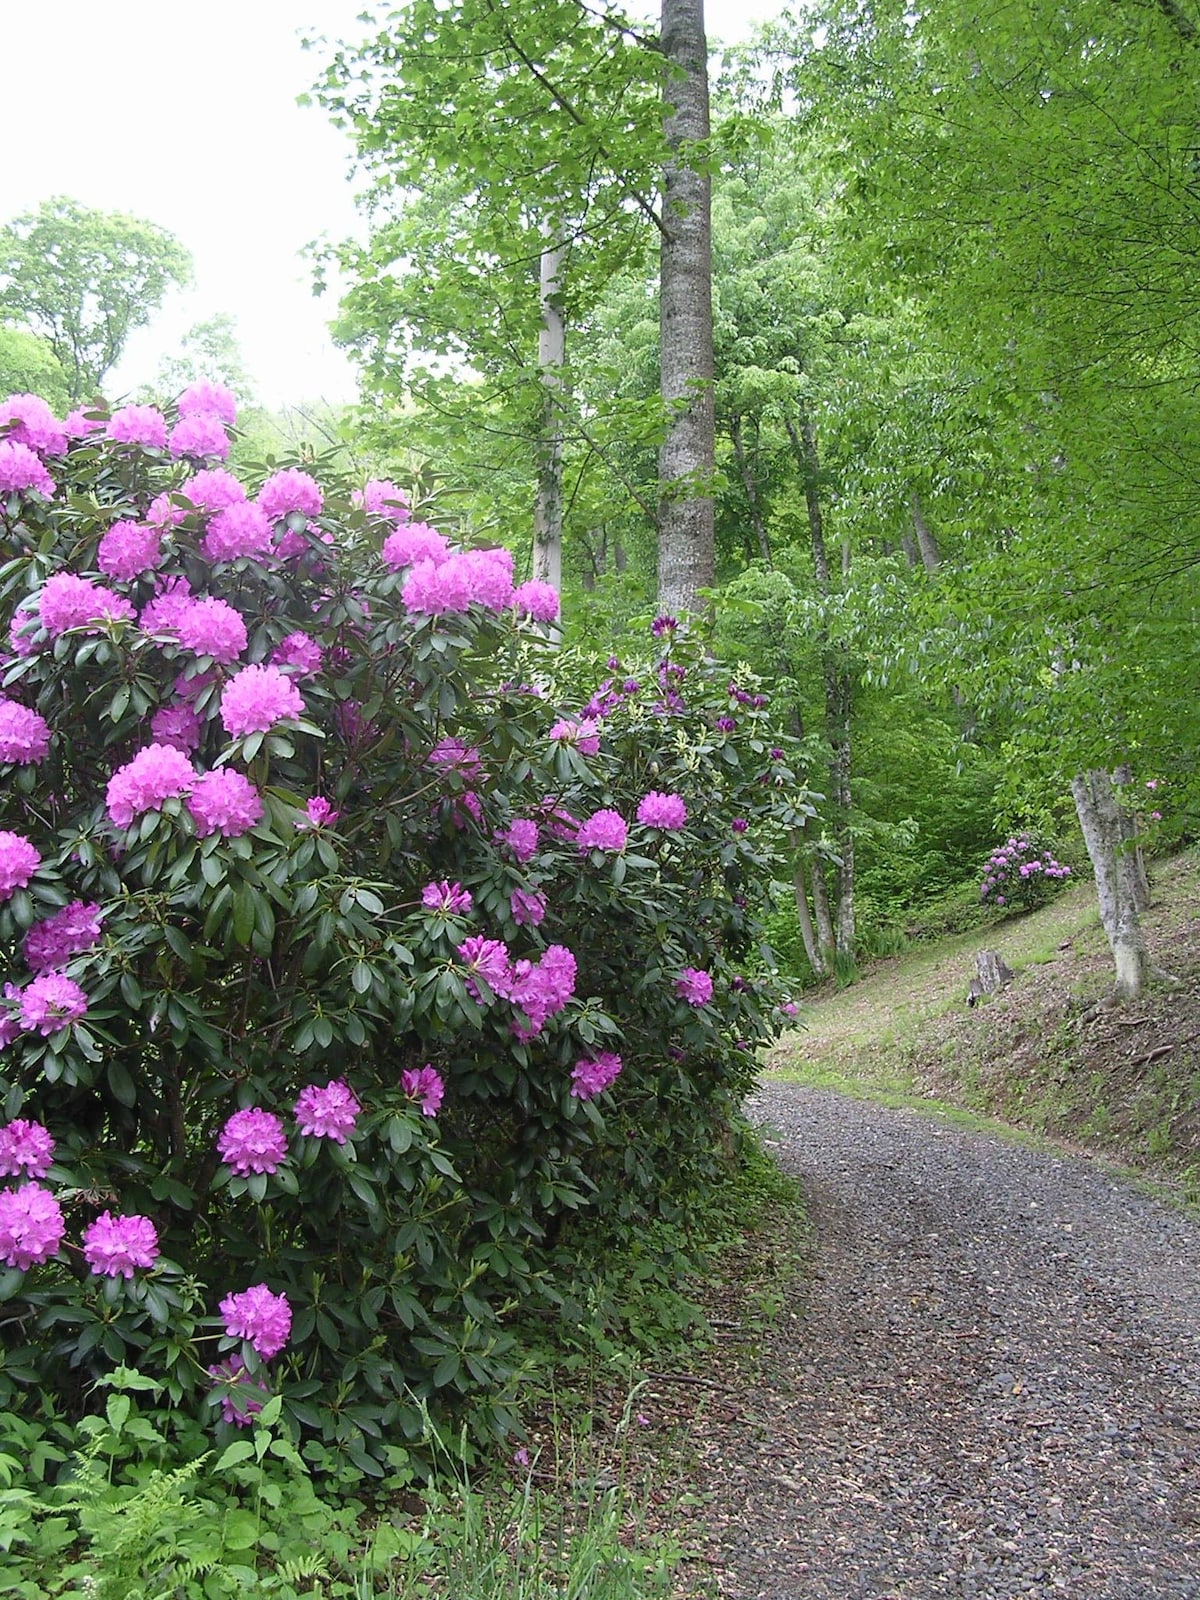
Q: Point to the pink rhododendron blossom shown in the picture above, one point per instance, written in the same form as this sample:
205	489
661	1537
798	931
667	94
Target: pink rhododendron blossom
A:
70	602
416	542
213	489
789	1008
25	1148
595	1074
10	1017
83	421
242	529
487	959
163	513
21	470
603	830
695	986
20	630
256	699
24	734
299	654
661	810
157	773
128	549
528	908
739	825
241	1396
265	1319
466	808
163	613
114	1246
177	725
224	801
349	721
200	436
450	898
381	498
521	837
318	813
143	425
210	627
457	756
53	942
537	600
328	1112
457	582
18	863
290	490
252	1141
585	736
31	1226
492	577
51	1002
32	424
204	398
541	989
426	1086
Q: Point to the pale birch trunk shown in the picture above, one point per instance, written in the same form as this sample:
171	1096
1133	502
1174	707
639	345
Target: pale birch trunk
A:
686	458
548	506
812	947
1116	873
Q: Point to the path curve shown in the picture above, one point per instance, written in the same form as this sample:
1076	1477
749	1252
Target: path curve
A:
992	1386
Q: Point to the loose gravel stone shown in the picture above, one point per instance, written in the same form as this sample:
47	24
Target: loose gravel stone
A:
990	1389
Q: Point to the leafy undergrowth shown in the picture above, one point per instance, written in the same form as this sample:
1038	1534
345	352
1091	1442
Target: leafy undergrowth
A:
1043	1055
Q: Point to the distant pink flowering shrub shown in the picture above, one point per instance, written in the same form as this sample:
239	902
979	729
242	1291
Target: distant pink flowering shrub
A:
256	699
157	773
115	1246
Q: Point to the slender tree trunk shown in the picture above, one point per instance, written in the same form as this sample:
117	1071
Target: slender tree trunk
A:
931	558
548	508
1115	870
686	459
1131	845
750	484
812	948
826	942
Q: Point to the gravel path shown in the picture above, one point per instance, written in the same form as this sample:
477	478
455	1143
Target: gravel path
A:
991	1388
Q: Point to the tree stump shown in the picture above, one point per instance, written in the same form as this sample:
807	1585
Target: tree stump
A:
993	974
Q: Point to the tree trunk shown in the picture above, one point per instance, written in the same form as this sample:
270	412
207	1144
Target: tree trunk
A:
686	458
826	943
750	484
931	558
548	508
1115	870
812	948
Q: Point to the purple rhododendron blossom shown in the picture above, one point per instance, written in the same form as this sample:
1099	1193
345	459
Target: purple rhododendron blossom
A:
128	549
425	1085
33	424
31	1226
595	1074
657	810
318	813
537	600
51	943
163	513
10	1019
541	989
454	754
487	959
224	801
242	529
18	863
142	425
379	497
70	602
256	699
241	1396
298	652
162	614
213	489
51	1002
291	490
739	825
521	837
265	1319
25	1147
327	1112
114	1246
81	422
24	734
528	908
204	398
176	725
158	773
252	1140
21	470
451	898
585	736
210	627
695	986
199	436
416	542
603	830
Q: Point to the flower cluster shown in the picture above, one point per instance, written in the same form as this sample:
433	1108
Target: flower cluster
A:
18	863
424	1085
262	1318
603	830
25	1148
157	773
662	810
256	698
114	1246
594	1074
1021	873
24	734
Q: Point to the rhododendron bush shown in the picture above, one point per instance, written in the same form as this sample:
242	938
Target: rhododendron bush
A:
351	939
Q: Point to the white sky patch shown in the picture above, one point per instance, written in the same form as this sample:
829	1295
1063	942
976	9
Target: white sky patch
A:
186	116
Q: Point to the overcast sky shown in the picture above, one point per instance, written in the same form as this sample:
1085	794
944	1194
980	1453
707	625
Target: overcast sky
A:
186	115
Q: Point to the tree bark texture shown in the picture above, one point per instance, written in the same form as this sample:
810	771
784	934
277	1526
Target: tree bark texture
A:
812	948
686	458
1115	869
548	507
